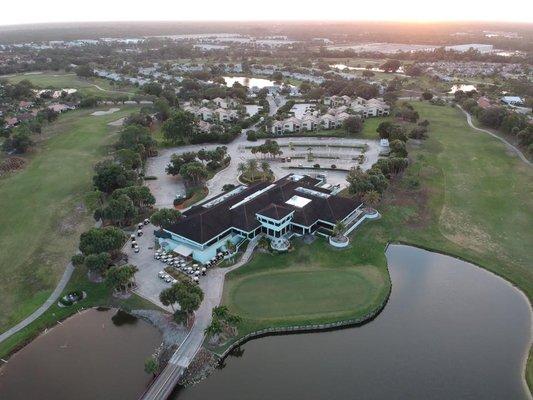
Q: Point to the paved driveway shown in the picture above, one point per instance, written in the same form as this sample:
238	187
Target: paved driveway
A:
149	285
165	187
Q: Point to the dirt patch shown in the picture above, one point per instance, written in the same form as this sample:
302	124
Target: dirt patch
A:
459	228
416	200
69	224
11	164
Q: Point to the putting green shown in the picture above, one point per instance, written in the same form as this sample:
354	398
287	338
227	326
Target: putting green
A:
308	294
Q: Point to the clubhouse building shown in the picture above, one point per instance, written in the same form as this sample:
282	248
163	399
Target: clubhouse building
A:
295	205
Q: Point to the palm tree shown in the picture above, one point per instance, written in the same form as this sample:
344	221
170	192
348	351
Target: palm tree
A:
339	228
214	328
252	168
265	167
371	198
241	168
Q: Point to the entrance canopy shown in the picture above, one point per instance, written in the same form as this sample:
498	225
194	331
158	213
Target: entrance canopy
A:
182	250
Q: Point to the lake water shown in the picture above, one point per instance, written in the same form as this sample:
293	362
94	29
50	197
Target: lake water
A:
450	331
343	67
249	82
464	88
93	355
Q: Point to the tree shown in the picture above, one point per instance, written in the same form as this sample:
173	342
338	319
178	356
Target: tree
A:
129	159
353	125
162	108
361	182
138	139
339	228
84	71
391	65
110	176
168	297
398	149
371	198
152	88
99	240
165	217
413	70
77	260
120	210
180	125
19	141
151	366
189	296
384	129
492	117
140	196
241	168
194	171
97	262
215	328
121	278
265	168
427	95
251	165
178	160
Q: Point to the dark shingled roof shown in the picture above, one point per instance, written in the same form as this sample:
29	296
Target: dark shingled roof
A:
275	212
201	224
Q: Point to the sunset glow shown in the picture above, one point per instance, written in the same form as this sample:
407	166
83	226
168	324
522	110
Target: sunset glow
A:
36	11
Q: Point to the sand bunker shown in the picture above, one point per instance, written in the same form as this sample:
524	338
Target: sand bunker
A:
110	111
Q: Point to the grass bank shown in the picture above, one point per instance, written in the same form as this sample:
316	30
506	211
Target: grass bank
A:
98	294
42	211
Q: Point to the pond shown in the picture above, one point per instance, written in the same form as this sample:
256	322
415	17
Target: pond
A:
343	67
93	355
249	82
464	88
451	330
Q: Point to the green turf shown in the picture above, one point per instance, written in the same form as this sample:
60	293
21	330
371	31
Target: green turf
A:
311	284
62	80
42	213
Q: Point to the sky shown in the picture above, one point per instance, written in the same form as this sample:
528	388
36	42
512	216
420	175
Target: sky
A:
14	12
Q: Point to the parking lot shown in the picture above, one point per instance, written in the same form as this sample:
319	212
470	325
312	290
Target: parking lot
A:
148	278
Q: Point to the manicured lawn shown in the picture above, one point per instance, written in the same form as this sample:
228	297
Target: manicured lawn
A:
62	80
311	284
370	126
42	211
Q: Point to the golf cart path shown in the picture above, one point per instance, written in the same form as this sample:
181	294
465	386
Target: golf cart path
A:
111	91
212	287
45	306
509	145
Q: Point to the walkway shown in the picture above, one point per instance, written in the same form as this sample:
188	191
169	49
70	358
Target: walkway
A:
509	145
112	91
212	287
45	306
